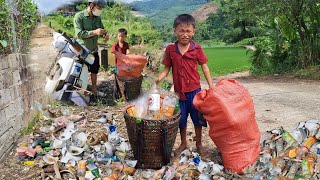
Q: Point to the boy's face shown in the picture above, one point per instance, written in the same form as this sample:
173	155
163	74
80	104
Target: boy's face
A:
184	33
121	37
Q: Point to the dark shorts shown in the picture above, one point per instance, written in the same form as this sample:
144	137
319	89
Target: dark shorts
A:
186	108
94	68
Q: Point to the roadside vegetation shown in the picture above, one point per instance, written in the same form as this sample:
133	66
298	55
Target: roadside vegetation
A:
285	34
17	20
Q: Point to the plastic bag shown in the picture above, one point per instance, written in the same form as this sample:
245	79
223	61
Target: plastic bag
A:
130	65
229	110
139	107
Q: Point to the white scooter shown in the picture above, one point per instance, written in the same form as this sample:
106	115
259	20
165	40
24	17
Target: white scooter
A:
69	81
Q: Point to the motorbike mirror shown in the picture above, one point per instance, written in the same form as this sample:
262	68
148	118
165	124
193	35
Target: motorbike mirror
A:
90	59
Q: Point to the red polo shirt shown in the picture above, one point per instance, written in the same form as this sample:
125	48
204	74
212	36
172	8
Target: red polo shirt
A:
123	49
186	77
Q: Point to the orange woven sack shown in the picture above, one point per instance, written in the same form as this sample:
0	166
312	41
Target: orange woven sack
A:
130	65
229	111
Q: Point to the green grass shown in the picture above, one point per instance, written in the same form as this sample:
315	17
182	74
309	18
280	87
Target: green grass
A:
29	128
226	60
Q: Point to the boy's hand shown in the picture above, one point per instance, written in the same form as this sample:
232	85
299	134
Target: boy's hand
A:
157	81
106	37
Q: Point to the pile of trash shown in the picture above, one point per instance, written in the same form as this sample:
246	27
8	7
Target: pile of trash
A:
71	147
68	147
289	155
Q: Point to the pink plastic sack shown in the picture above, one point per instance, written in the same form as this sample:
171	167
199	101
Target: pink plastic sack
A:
130	65
229	110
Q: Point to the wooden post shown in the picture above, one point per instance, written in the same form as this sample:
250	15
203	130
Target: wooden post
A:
104	58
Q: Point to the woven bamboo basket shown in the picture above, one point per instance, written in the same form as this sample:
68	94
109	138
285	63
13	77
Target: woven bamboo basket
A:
132	87
152	140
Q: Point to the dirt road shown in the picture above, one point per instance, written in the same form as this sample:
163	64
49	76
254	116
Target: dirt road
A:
283	101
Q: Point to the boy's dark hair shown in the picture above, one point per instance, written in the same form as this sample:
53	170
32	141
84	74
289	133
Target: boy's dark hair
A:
184	19
122	31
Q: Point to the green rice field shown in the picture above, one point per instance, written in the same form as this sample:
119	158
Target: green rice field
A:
226	60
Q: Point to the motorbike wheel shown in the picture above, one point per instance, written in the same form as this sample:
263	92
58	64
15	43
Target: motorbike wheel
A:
56	75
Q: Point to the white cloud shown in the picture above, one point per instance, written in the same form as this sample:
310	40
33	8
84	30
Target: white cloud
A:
128	1
47	6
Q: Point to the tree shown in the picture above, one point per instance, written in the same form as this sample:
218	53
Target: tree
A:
296	21
230	23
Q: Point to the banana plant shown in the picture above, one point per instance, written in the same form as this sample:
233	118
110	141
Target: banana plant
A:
4	43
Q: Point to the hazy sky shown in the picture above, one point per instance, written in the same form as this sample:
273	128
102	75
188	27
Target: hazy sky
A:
50	5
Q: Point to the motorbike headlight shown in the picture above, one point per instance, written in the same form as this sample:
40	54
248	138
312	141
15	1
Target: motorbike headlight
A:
90	59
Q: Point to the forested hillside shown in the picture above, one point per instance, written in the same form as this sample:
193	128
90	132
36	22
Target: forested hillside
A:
162	13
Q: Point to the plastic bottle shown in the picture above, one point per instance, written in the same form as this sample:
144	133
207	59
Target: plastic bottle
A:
141	107
29	163
273	149
39	141
309	142
94	170
46	144
286	169
275	171
279	147
154	100
317	165
81	171
305	169
130	110
265	157
305	148
122	168
168	107
292	171
311	164
314	148
301	152
39	150
281	164
113	136
177	107
257	176
290	141
65	111
292	153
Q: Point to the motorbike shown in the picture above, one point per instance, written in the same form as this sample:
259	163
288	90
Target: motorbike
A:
69	80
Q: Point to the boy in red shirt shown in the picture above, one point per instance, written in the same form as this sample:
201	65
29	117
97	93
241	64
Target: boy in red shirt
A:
183	57
123	47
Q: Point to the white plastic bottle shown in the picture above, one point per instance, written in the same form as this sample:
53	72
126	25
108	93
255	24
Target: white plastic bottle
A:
154	100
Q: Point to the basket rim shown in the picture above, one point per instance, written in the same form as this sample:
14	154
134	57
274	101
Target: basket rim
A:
129	78
166	119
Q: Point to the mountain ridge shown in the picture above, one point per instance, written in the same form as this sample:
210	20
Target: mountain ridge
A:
203	12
